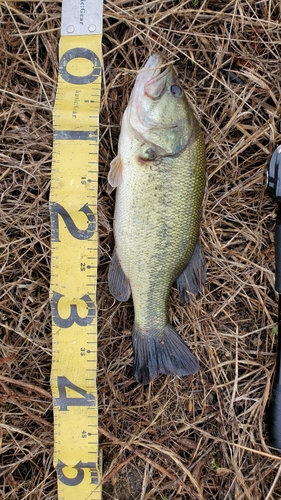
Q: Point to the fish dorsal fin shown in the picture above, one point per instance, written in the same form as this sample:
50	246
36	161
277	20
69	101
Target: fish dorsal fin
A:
115	174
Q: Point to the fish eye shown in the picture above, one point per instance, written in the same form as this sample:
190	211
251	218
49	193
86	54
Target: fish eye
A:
176	90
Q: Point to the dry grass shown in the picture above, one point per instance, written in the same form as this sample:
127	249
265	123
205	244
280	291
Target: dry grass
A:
196	438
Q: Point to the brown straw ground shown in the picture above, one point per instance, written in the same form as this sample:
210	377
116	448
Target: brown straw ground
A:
202	437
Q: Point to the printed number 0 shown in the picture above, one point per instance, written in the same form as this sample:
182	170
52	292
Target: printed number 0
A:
83	53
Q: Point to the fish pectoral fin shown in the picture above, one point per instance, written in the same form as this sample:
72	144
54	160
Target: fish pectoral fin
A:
119	285
193	277
161	351
115	174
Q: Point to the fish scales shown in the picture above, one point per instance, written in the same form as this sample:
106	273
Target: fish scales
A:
158	225
157	221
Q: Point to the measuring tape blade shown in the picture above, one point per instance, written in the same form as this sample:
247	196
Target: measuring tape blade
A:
73	211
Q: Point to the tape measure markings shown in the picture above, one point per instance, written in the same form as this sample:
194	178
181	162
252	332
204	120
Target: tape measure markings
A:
73	286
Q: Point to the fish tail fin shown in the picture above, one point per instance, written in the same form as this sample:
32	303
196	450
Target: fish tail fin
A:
161	351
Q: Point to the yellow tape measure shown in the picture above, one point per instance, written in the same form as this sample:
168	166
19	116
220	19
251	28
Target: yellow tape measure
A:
73	208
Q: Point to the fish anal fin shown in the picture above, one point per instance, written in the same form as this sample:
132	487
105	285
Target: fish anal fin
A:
161	351
115	174
193	277
119	285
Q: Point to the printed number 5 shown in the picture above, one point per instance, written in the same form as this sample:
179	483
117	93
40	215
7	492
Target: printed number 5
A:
79	473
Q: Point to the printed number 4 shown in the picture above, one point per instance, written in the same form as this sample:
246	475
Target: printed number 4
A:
63	401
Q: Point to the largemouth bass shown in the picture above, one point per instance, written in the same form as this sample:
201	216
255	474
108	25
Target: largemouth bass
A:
159	173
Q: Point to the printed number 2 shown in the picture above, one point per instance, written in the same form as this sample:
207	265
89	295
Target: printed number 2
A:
81	234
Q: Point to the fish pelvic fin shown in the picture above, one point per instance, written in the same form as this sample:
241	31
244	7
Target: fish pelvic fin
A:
161	351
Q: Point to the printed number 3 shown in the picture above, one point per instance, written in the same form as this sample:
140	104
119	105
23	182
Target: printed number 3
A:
73	317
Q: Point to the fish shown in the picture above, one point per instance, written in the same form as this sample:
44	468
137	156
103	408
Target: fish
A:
159	174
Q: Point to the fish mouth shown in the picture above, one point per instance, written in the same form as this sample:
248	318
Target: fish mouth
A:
150	83
152	78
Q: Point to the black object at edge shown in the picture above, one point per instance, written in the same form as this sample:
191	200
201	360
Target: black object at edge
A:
274	411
